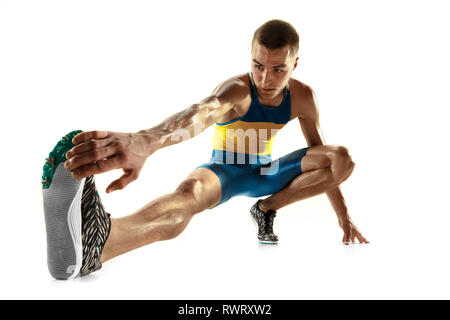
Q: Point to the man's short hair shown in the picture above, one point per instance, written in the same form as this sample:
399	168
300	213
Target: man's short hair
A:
276	34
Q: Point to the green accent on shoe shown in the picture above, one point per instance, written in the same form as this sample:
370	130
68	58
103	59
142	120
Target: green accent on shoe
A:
57	156
270	243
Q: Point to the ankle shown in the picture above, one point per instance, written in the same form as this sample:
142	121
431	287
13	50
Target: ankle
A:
263	206
108	249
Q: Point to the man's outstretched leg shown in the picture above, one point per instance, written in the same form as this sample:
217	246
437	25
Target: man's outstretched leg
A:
165	217
81	234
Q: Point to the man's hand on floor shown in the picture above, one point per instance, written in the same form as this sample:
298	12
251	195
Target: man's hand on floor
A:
351	232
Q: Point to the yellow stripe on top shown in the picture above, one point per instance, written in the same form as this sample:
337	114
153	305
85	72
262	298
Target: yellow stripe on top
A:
246	137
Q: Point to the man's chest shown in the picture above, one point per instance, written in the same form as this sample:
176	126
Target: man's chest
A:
296	102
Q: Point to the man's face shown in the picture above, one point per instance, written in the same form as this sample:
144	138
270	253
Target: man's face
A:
271	69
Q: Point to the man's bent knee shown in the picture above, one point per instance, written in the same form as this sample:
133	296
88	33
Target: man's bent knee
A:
191	190
343	163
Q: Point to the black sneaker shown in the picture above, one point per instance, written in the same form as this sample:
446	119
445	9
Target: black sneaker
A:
264	222
76	221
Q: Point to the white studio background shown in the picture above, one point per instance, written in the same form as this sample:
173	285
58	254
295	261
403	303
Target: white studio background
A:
380	72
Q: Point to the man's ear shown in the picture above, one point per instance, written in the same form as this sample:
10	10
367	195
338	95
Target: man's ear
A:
296	62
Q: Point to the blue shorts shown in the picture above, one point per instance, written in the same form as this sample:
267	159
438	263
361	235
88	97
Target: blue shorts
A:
256	180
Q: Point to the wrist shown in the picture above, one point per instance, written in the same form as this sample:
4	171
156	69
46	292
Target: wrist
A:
151	141
343	215
344	220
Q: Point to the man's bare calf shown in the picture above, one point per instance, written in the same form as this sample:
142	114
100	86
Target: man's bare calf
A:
323	168
165	217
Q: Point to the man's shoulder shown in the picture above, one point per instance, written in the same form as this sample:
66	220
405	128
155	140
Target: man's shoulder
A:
234	88
300	88
302	98
238	81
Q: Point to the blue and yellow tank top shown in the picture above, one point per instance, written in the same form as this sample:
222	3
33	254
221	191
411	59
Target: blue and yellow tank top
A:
248	139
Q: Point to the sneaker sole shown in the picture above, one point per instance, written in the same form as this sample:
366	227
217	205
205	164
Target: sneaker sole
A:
62	208
267	242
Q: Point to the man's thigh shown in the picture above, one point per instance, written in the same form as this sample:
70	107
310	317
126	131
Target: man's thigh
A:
319	157
233	179
274	176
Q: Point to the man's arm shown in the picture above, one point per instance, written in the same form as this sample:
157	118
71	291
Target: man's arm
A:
310	126
309	120
101	151
192	121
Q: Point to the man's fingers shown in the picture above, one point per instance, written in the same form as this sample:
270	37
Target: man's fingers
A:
87	146
123	181
362	239
346	239
96	168
88	135
350	237
89	157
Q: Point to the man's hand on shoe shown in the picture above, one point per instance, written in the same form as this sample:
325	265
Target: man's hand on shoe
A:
351	232
101	151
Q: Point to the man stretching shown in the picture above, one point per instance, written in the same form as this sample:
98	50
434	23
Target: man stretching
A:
247	111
